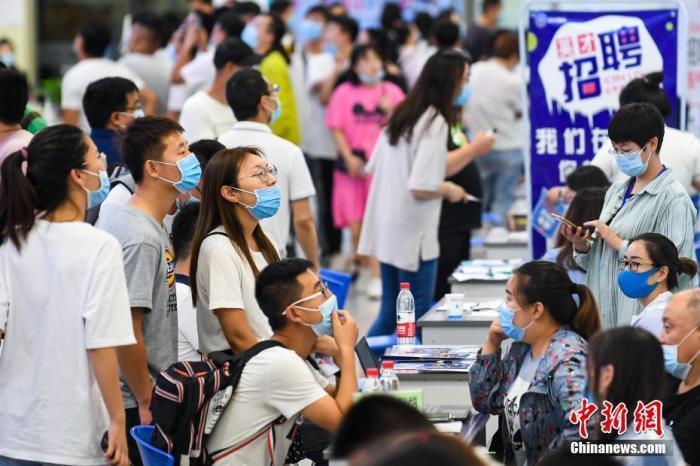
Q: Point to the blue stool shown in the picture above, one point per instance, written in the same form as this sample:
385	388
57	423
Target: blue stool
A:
338	283
150	455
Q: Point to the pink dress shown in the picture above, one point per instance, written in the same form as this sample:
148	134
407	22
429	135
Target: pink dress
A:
355	111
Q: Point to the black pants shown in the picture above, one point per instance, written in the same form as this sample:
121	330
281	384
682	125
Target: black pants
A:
316	441
132	420
329	236
454	248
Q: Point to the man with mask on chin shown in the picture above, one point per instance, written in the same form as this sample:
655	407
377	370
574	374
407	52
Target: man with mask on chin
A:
255	104
110	105
680	340
278	387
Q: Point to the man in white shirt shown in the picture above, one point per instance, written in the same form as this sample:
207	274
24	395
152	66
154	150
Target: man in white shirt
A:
254	103
90	45
278	388
143	58
207	115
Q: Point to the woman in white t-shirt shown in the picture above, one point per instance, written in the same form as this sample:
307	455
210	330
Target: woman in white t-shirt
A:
649	272
230	248
63	308
408	167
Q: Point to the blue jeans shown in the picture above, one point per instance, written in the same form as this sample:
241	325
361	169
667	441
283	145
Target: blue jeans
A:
500	171
422	287
5	461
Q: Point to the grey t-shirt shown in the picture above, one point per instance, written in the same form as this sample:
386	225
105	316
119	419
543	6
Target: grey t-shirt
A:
149	267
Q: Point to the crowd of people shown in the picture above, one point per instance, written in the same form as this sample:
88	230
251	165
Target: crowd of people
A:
197	185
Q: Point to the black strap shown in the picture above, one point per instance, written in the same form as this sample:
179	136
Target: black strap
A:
28	119
116	183
212	233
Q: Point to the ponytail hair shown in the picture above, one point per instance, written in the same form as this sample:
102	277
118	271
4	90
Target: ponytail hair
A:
50	156
549	284
663	253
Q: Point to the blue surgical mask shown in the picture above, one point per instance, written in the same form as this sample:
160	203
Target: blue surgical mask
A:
634	284
250	36
95	198
371	80
309	30
8	59
190	172
327	308
268	202
680	370
331	48
631	163
277	112
463	96
505	319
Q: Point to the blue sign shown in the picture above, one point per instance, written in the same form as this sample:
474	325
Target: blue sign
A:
579	62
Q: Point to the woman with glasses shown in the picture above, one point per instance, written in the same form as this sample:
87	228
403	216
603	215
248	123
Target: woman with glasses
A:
649	272
229	249
63	307
651	200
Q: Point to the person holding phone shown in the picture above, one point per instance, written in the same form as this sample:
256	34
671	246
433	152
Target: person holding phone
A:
651	200
356	112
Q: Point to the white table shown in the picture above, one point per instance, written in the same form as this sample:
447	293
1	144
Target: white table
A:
507	250
442	390
471	329
480	289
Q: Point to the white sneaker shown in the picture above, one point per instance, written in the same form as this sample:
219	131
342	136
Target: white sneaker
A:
374	288
362	281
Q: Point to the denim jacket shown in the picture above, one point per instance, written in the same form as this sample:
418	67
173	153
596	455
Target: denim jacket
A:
556	389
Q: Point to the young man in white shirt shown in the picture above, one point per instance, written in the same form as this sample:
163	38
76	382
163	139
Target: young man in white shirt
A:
278	388
145	40
207	115
90	45
162	166
254	103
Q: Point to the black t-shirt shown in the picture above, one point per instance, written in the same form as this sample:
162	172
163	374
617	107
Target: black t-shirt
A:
462	216
682	414
478	42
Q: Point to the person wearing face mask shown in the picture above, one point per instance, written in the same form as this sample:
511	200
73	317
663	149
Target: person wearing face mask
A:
651	200
264	35
110	105
255	103
680	340
617	374
649	272
355	115
163	167
230	248
278	387
542	377
63	317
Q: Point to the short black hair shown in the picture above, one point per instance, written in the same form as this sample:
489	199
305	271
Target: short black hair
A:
374	417
96	38
647	89
184	224
244	91
587	176
346	24
277	287
320	10
247	8
143	140
206	20
204	150
424	23
446	33
638	123
280	6
154	23
105	96
233	50
486	5
14	95
231	23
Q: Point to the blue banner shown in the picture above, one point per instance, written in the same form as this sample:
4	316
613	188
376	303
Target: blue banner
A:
579	62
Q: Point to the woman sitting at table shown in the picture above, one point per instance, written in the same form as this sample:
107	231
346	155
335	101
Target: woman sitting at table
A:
542	378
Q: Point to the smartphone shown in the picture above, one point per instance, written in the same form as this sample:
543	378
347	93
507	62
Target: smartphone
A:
564	220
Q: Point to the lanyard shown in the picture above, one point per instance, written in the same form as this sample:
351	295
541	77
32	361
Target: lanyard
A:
628	193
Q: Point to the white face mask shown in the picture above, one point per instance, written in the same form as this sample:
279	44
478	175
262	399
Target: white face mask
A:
674	367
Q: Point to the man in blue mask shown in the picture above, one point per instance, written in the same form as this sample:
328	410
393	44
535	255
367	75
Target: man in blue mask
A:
680	340
278	386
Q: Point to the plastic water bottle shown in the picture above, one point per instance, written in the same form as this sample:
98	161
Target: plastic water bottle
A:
406	316
388	380
372	382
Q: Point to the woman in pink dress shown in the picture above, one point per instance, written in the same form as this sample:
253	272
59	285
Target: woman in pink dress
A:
355	115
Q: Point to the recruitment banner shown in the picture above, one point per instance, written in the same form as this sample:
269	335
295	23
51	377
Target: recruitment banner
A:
578	64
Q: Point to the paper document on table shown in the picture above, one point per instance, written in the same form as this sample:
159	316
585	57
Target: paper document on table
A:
436	352
454	427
